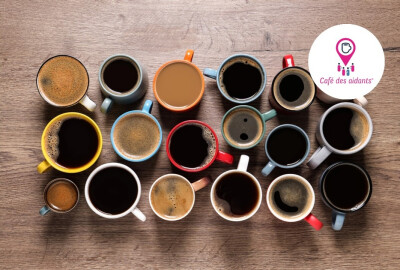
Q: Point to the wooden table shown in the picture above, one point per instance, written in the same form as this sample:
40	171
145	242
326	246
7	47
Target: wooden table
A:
152	32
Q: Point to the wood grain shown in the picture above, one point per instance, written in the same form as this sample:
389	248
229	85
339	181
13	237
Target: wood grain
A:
155	32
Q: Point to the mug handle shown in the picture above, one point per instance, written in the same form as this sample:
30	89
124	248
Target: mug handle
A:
147	106
313	221
224	157
189	55
243	163
43	166
201	183
362	101
287	61
139	214
88	103
318	157
44	210
268	115
210	73
268	169
337	220
106	105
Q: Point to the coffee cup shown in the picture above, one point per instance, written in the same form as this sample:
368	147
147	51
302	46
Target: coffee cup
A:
178	84
136	135
287	146
71	143
292	89
192	146
243	126
236	194
122	80
344	129
113	190
241	78
60	195
63	81
324	97
172	196
345	188
291	198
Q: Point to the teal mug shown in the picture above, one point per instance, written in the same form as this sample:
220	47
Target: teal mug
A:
243	126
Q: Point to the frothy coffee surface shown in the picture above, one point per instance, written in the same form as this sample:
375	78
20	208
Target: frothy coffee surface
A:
61	195
136	136
63	80
243	127
172	197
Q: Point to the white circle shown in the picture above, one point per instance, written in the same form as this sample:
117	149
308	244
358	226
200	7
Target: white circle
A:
362	72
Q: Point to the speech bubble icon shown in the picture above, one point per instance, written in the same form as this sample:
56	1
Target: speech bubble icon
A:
346	47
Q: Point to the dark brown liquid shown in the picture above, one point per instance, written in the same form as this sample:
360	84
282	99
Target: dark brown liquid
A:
120	75
291	87
113	190
61	195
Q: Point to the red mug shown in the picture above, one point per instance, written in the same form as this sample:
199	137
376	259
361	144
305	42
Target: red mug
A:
192	146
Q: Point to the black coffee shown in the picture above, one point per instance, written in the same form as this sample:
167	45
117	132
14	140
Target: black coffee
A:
120	75
72	142
291	87
242	80
286	146
240	191
113	190
192	146
346	186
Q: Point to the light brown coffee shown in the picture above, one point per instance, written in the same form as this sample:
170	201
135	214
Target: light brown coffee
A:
62	80
61	195
179	85
136	136
172	197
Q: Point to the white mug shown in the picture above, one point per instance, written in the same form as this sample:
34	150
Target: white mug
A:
324	97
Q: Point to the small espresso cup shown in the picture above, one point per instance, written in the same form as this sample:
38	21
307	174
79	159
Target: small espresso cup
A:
71	143
287	146
63	81
113	190
243	126
122	80
60	195
236	195
178	84
345	188
344	129
241	78
324	97
172	196
192	146
291	198
136	135
292	89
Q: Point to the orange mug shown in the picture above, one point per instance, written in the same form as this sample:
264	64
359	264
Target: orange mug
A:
179	84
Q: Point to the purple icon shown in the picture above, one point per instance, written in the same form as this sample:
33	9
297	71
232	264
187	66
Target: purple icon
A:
345	49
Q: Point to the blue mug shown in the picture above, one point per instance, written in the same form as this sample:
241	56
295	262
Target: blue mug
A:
287	136
136	135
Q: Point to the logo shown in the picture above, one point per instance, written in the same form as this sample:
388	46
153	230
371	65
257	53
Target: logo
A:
345	48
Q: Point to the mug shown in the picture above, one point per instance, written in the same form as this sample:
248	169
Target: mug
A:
71	143
136	135
192	146
324	97
292	89
345	188
335	134
241	78
243	127
291	198
113	190
61	195
179	84
172	196
63	81
236	194
122	80
287	146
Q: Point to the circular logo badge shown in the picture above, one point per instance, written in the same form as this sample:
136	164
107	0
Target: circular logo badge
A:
346	61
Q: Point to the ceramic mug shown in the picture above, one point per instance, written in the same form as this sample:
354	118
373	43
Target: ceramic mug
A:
324	97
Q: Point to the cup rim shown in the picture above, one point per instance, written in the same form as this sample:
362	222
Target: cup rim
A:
252	98
46	98
345	105
250	108
161	178
90	178
48	186
186	169
293	127
213	195
115	124
94	158
167	106
304	181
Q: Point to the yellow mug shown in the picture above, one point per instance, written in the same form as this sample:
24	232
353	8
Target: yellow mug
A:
58	124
